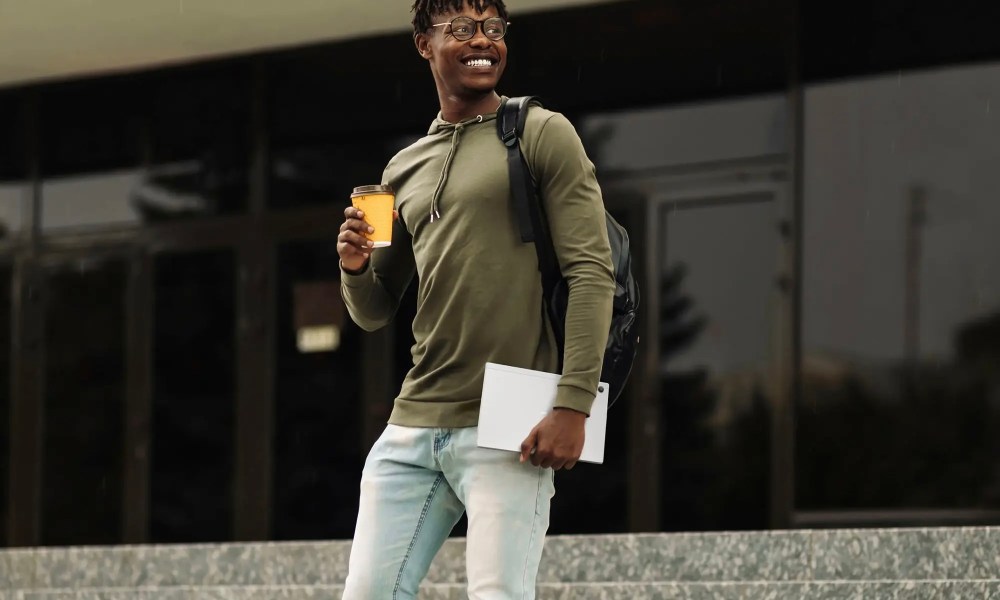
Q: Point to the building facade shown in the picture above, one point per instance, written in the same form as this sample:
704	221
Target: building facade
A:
812	197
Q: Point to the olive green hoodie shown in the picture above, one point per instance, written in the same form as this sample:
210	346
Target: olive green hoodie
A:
479	294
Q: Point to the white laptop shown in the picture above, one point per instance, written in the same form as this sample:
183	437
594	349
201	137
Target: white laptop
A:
515	400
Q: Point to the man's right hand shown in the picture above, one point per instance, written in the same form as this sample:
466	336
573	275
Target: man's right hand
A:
352	245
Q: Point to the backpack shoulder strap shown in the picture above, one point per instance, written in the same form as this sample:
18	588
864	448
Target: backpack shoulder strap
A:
511	117
513	114
525	198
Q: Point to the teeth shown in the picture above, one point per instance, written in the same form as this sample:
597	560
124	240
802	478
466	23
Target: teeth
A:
479	62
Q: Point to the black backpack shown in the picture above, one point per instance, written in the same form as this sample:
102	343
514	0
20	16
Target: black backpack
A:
530	212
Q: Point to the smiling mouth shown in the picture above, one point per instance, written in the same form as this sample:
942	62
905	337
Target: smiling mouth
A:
480	62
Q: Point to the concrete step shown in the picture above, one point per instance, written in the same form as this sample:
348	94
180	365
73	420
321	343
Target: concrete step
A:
844	555
884	590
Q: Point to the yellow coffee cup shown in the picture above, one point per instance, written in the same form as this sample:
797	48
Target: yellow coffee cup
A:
377	202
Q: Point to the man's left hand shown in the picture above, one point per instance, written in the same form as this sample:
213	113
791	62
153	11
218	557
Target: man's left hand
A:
557	440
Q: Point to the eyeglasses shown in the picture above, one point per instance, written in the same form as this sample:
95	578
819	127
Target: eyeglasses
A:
464	28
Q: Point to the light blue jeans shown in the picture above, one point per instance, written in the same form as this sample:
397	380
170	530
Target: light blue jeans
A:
415	486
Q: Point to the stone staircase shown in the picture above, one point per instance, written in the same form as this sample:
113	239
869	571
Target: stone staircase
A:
952	564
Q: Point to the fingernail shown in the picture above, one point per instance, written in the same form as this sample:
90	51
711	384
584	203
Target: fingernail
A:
361	213
371	244
365	254
371	230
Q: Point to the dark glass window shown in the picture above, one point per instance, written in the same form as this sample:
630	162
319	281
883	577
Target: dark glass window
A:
89	200
354	88
12	197
714	206
200	143
13	165
5	358
716	295
91	153
84	402
901	298
326	173
148	148
332	131
318	447
193	397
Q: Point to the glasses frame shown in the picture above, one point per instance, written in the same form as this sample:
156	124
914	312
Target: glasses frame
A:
479	25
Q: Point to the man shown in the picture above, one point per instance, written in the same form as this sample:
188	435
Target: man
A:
479	300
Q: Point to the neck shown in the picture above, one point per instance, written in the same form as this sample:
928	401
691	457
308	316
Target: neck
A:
455	109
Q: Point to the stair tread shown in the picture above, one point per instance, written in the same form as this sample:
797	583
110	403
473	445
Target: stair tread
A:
899	590
794	556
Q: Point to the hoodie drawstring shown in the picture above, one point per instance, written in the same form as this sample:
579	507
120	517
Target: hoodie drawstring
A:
435	213
455	138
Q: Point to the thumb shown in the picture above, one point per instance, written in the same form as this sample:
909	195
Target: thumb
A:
529	444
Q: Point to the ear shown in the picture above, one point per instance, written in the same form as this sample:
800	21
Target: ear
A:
423	43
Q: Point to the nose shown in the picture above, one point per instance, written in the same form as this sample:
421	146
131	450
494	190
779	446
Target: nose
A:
479	39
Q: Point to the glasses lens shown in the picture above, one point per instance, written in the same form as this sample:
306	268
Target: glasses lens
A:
495	28
463	28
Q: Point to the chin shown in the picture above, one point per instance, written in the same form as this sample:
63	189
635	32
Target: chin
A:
482	87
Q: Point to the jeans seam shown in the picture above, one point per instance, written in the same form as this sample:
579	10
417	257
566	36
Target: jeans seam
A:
531	538
416	532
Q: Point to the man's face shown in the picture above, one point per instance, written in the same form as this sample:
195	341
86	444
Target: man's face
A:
458	66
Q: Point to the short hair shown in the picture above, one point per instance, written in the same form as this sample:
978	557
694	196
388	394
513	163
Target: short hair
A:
424	9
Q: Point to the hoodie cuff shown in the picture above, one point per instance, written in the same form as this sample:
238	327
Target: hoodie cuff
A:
354	278
573	397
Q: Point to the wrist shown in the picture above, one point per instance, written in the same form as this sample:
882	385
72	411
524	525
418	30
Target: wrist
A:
570	411
360	270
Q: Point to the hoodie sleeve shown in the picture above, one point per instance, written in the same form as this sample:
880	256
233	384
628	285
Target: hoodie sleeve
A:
372	295
575	210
